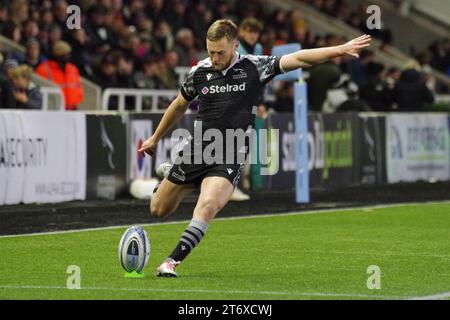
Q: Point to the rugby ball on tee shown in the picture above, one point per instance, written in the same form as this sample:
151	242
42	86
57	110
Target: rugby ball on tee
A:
134	249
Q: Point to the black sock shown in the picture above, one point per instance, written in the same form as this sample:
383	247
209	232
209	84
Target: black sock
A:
190	238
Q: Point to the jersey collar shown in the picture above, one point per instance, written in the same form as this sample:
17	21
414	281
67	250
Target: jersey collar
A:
238	58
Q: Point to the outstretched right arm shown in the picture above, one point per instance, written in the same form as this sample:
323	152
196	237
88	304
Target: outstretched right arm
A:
172	115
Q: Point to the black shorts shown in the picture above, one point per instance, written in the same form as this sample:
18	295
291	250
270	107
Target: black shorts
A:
195	173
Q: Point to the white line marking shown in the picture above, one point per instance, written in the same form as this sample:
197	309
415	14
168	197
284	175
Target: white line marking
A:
292	213
439	296
287	293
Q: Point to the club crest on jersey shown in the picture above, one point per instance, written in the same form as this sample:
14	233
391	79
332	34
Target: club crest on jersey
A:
222	89
240	75
179	174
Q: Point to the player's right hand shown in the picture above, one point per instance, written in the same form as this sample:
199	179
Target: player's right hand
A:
149	146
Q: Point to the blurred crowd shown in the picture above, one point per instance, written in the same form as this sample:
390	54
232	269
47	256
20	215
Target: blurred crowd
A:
437	55
139	43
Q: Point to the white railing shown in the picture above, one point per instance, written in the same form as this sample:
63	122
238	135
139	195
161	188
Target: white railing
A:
442	98
47	91
138	94
182	72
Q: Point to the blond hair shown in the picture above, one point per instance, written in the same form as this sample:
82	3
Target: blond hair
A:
251	24
22	71
222	28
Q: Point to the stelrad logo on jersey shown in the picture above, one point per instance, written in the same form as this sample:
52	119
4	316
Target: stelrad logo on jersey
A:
222	89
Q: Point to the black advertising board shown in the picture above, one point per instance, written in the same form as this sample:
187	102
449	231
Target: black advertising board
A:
282	166
373	151
106	156
333	150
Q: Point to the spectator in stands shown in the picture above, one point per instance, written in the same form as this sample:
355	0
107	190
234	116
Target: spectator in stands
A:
322	78
146	78
304	37
9	66
3	15
55	34
176	17
19	12
374	91
248	35
100	35
330	7
125	69
156	10
33	55
13	31
60	14
299	33
130	11
355	20
282	37
30	31
7	100
78	41
268	37
285	98
440	55
46	19
142	23
222	10
249	8
106	74
149	77
279	20
129	45
63	73
410	92
167	70
26	93
357	68
185	48
391	78
163	36
6	90
198	19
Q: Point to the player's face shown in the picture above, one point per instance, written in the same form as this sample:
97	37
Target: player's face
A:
251	37
221	52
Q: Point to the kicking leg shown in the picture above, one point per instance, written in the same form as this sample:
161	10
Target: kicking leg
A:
214	195
168	197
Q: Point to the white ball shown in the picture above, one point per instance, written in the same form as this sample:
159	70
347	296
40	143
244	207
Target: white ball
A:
134	249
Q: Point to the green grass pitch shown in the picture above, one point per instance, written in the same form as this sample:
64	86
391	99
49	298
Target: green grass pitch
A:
297	256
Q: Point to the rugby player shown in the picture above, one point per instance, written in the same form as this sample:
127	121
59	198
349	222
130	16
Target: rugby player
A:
228	87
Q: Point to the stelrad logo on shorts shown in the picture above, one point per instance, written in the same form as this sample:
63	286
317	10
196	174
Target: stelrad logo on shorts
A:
223	89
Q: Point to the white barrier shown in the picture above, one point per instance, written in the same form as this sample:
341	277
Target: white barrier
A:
47	91
182	72
138	94
43	156
417	147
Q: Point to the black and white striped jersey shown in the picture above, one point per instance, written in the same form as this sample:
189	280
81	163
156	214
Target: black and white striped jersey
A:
229	99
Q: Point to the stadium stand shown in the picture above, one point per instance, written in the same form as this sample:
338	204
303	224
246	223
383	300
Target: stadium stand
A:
118	40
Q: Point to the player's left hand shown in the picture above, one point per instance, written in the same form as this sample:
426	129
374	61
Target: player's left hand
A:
149	147
353	47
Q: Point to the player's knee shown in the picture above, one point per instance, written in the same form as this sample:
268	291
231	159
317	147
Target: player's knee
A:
157	210
209	208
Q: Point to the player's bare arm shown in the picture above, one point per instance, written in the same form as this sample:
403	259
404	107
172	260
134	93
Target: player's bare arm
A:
309	57
172	115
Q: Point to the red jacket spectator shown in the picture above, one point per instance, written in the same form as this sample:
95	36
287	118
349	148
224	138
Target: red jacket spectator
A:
63	73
